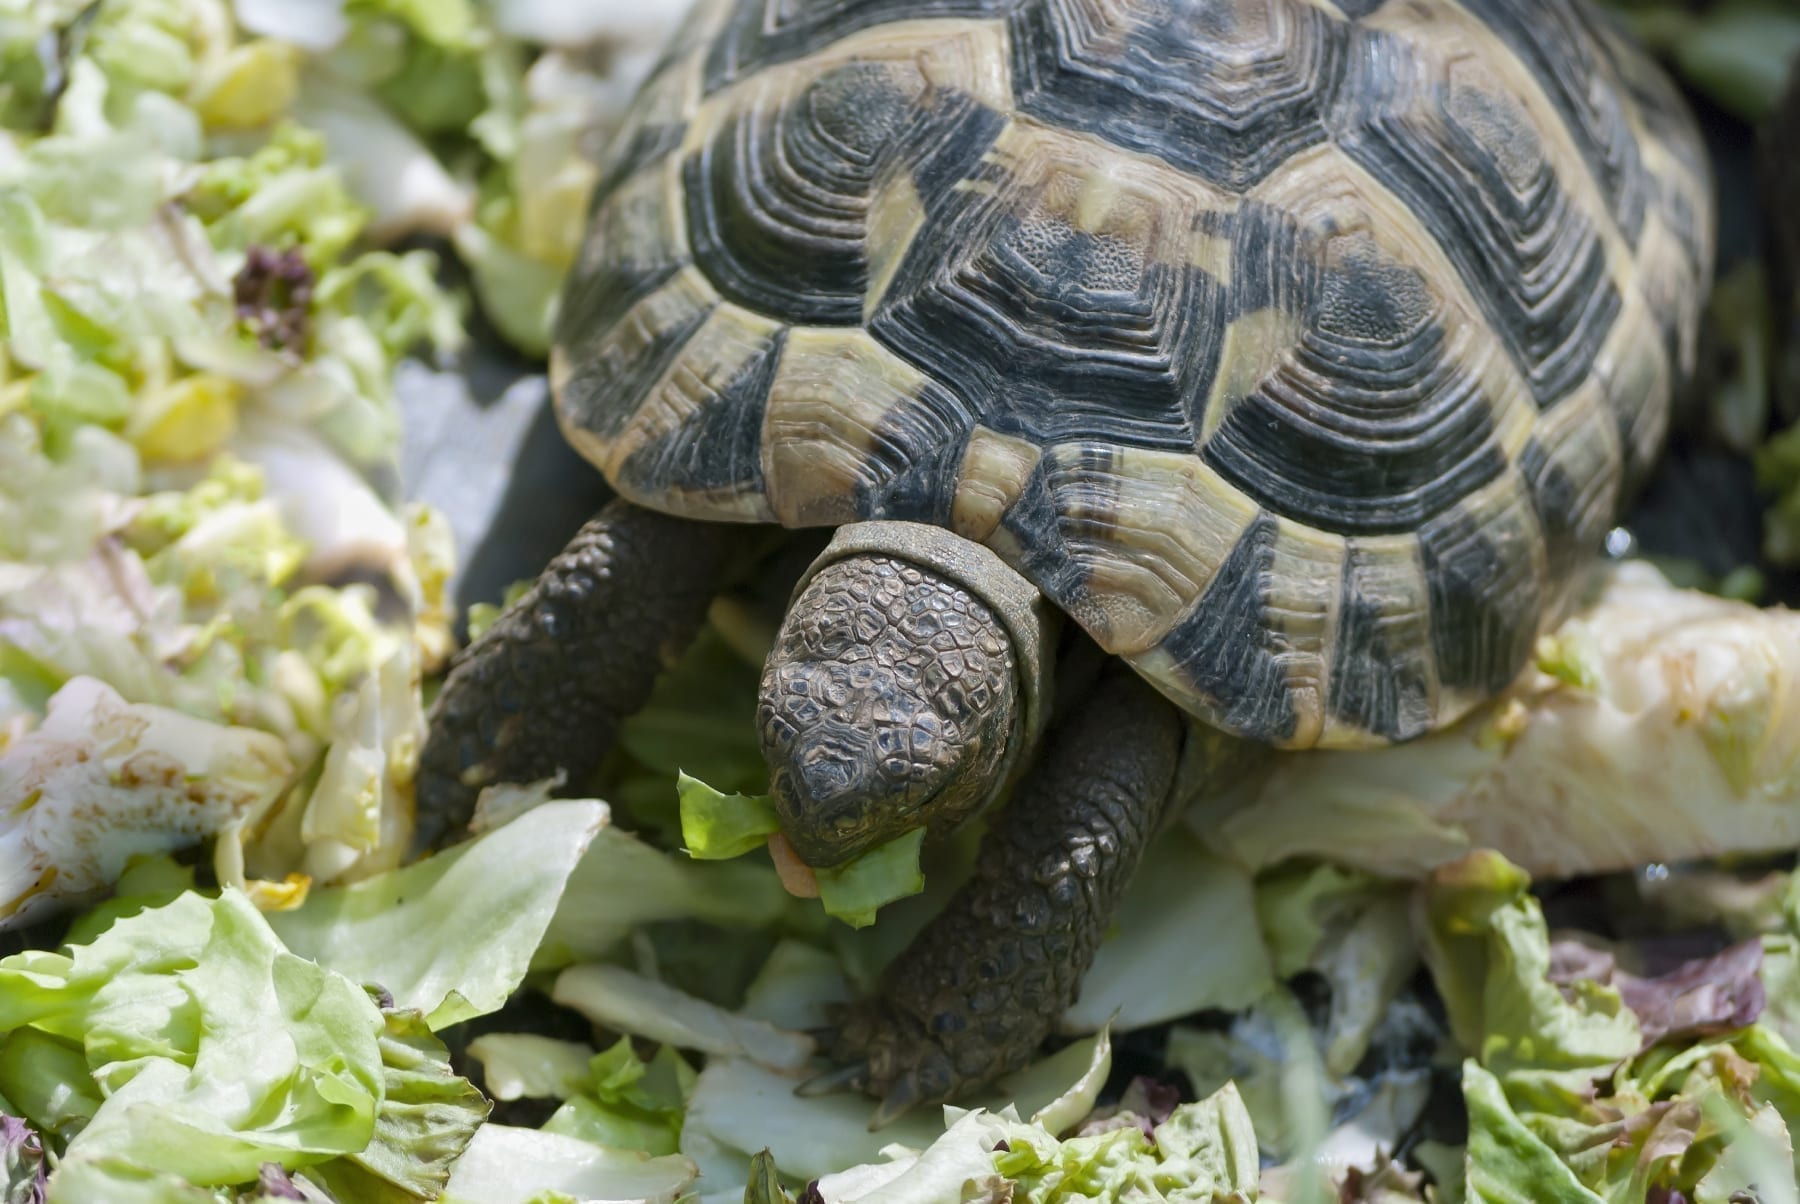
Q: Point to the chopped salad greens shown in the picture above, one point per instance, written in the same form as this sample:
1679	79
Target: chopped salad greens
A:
1350	977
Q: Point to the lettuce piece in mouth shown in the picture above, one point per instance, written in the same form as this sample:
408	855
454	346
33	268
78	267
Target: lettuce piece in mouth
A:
855	891
717	826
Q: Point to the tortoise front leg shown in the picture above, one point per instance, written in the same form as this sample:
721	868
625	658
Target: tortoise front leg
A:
977	992
546	686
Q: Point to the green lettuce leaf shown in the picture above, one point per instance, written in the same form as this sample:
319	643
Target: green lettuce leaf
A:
428	1116
625	1103
212	1049
623	884
1204	1151
738	1108
1488	950
717	826
507	1165
1148	968
529	1066
1574	1095
855	891
631	1003
1508	1163
449	23
452	935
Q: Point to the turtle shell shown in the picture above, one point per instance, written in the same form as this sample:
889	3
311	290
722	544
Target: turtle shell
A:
1300	350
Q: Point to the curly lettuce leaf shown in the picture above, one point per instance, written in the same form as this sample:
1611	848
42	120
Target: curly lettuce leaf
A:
1488	950
1587	1082
428	1116
1507	1163
210	1047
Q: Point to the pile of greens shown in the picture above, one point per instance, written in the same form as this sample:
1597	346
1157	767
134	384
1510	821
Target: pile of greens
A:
223	226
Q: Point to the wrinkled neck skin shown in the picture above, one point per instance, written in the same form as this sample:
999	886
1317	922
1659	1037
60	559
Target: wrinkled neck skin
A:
900	691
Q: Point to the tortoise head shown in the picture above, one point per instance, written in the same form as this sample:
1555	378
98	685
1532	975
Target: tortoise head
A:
902	688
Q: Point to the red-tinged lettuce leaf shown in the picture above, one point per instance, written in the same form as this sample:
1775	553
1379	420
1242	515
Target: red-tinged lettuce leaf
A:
1702	997
23	1175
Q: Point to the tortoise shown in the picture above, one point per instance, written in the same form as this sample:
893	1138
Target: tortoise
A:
1294	356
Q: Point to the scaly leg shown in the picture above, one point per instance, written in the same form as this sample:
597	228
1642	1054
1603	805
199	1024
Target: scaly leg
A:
545	687
977	992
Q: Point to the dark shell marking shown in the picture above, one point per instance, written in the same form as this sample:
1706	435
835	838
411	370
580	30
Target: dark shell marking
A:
1300	350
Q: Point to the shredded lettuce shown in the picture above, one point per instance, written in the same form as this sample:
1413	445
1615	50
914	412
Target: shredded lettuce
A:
1204	1151
1649	732
183	289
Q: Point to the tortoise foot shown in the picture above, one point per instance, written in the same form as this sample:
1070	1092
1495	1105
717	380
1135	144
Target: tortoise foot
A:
882	1050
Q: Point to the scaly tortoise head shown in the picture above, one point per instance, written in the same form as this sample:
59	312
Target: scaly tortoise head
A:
1299	350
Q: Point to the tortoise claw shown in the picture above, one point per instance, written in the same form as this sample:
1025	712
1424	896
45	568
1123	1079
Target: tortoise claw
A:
853	1077
901	1099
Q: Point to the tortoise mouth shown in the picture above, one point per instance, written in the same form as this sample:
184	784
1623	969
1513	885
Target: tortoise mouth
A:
828	806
